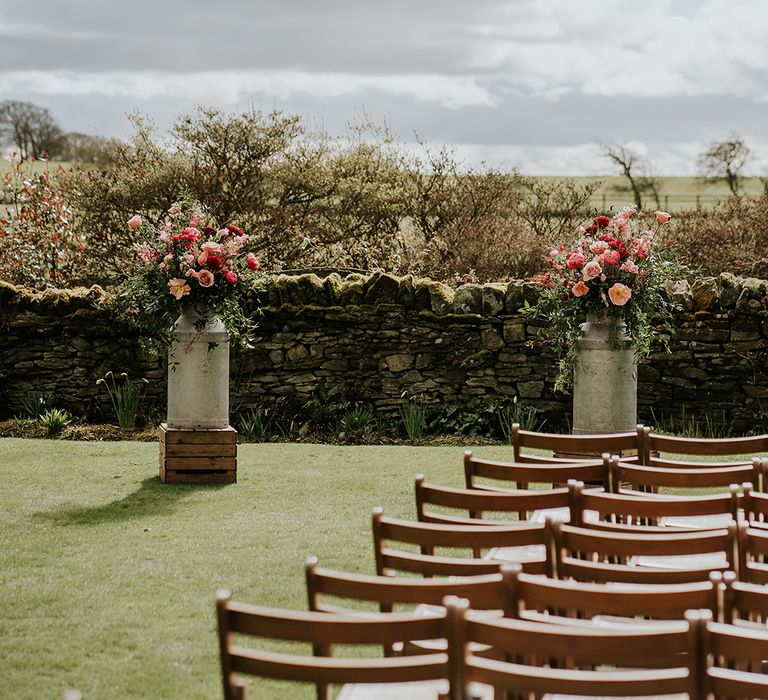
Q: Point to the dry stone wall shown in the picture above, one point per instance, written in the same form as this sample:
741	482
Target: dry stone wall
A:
380	338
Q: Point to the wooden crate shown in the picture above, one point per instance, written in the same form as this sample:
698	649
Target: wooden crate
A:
206	456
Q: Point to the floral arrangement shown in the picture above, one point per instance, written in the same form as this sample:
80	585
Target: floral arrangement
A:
184	262
615	269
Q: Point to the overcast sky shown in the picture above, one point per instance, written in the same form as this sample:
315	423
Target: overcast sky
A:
532	84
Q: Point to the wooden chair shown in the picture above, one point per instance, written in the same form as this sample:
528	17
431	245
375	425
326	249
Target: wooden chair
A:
524	475
755	505
741	602
655	479
653	444
538	659
586	554
523	543
544	599
324	631
628	445
732	660
485	592
475	503
638	511
753	554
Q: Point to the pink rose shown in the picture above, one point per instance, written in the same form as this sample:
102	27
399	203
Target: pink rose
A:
178	287
252	262
662	217
230	276
591	270
599	247
175	210
205	278
134	222
192	273
610	257
619	294
579	289
575	259
629	266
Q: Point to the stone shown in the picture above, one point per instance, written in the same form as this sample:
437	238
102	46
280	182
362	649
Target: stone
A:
296	353
490	339
514	331
513	299
705	293
730	289
441	298
530	390
399	363
493	295
468	299
679	293
382	288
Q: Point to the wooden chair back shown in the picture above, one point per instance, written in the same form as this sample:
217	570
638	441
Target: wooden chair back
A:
324	631
537	659
520	476
741	450
592	446
739	601
654	479
429	537
753	554
733	660
485	592
586	554
636	511
474	503
755	505
543	599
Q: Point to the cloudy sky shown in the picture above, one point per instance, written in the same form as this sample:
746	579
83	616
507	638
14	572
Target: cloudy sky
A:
532	84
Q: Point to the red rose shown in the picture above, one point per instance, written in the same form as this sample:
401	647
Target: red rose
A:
208	230
214	262
602	221
230	276
591	229
235	230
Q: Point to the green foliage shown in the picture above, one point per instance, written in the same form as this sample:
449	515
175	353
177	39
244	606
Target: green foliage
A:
255	424
413	416
517	412
55	420
703	425
356	419
126	396
35	403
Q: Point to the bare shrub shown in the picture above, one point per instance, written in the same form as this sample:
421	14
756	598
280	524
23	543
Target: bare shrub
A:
730	236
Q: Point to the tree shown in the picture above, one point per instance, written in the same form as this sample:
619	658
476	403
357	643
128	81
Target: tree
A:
30	129
725	160
87	149
636	169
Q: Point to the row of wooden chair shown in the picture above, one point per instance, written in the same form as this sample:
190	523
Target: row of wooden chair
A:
695	658
611	472
583	505
641	446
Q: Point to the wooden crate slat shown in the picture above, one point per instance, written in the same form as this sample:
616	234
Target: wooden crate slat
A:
185	462
202	450
213	436
225	477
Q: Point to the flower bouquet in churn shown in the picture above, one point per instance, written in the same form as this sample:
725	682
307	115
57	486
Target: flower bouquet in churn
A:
183	263
613	270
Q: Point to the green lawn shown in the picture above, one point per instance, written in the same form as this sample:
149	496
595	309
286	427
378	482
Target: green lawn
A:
108	576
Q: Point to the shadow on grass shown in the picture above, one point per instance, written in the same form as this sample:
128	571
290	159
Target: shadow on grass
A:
153	498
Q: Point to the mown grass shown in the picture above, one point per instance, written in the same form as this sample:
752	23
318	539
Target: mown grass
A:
109	576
